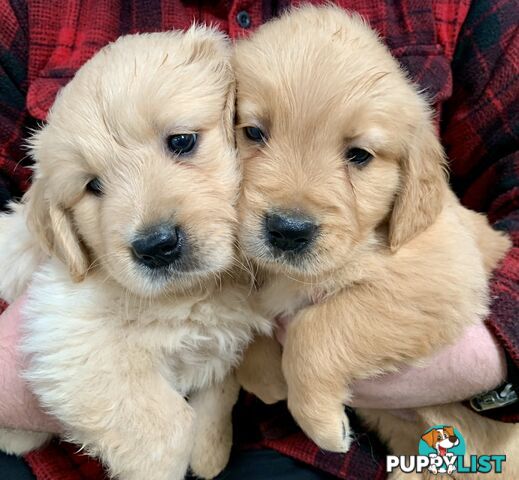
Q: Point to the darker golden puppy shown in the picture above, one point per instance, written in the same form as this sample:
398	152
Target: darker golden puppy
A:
347	214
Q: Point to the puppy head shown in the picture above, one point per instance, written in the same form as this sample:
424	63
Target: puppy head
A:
335	144
136	172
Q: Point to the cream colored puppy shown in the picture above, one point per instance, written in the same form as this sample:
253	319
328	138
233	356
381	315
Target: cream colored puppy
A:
347	214
133	198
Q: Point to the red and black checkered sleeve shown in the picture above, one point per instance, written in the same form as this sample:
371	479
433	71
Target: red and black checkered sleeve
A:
14	119
481	132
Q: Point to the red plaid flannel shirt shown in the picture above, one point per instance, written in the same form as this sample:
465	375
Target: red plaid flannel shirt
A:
464	53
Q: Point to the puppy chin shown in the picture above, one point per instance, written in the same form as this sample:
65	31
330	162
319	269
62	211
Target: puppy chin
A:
310	265
180	277
180	283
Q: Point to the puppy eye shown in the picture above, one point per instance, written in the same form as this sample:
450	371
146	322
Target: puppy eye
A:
358	156
182	143
255	134
95	187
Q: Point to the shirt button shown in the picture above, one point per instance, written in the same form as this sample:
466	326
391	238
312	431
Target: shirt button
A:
243	19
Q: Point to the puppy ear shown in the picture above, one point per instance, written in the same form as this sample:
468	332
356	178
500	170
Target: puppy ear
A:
67	244
429	438
37	210
449	430
423	185
54	227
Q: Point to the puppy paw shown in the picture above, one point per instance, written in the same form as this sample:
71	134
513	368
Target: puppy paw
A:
329	430
211	450
336	438
260	373
268	384
20	442
211	463
272	392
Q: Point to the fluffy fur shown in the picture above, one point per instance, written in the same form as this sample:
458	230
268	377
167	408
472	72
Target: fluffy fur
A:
398	267
114	348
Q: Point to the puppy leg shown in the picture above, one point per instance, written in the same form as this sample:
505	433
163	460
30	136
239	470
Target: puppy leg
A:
351	336
102	384
20	442
120	410
260	371
144	432
213	435
321	415
316	382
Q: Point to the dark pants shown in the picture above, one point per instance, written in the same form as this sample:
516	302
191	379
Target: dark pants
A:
13	468
251	465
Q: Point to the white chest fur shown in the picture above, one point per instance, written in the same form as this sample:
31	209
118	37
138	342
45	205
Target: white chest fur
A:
192	341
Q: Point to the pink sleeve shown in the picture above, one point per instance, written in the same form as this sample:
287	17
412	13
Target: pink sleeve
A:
18	406
472	365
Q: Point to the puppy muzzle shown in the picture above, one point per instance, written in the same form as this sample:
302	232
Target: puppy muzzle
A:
289	232
158	246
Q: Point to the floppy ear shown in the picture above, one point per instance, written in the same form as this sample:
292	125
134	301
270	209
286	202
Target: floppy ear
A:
54	227
423	184
429	438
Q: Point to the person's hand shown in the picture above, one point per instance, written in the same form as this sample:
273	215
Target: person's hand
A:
474	364
18	406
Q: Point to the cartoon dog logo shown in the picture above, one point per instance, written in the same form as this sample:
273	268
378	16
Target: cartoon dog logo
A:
441	440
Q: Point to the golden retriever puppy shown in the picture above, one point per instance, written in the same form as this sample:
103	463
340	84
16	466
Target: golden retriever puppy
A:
347	214
132	324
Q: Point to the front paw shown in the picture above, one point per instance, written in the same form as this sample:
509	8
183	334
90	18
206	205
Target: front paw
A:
329	428
211	449
260	372
153	444
268	385
269	392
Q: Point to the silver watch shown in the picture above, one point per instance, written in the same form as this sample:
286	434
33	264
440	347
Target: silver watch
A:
500	397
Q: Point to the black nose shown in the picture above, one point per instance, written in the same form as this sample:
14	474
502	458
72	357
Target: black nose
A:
289	232
453	438
158	246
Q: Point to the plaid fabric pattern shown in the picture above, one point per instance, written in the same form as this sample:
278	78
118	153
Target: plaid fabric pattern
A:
463	53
